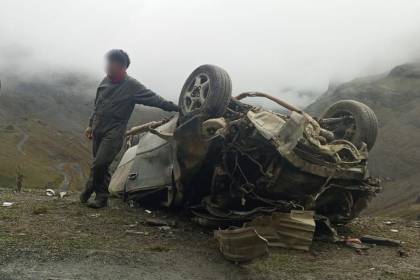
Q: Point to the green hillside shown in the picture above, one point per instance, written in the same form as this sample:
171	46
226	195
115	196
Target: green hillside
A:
41	125
41	129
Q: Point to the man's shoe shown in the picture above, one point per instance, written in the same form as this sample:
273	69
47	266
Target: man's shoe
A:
84	196
98	203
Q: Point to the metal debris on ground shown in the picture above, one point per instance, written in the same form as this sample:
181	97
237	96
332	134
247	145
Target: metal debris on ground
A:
389	223
241	244
371	239
294	230
62	194
7	204
128	231
394	230
50	192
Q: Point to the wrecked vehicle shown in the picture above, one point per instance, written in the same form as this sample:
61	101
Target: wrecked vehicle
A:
229	162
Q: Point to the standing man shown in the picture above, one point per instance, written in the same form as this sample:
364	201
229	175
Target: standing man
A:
19	179
116	97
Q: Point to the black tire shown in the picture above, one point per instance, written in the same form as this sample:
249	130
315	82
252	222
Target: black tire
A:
210	99
364	119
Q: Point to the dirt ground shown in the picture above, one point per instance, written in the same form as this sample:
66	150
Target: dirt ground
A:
50	238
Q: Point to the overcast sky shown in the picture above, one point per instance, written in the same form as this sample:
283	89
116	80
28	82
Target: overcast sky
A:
265	45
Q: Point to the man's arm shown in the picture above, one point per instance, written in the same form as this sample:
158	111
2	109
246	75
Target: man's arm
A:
89	130
147	97
92	116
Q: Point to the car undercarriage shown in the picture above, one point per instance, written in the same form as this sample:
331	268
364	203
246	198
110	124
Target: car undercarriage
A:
229	162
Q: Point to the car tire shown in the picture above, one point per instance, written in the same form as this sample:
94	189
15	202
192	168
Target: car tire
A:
208	91
365	121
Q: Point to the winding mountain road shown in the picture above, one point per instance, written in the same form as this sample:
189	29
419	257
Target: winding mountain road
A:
19	145
64	186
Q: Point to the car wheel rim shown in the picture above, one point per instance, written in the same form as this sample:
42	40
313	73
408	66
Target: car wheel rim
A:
197	93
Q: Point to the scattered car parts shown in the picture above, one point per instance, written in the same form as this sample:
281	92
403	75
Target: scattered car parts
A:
241	244
294	230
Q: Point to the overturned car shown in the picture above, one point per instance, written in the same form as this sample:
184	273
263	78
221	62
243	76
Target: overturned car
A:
228	162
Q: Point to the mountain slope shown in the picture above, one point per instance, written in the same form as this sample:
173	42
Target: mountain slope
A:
395	98
41	125
41	129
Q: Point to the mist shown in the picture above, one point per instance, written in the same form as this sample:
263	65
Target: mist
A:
291	49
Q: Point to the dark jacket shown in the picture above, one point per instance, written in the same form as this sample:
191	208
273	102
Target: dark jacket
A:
115	102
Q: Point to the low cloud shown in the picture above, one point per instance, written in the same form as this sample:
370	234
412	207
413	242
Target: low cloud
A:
265	45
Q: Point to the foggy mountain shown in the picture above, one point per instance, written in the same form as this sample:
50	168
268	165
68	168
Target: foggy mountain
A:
268	45
395	98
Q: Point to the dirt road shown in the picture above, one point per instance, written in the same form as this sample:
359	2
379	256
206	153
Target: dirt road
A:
22	141
63	170
50	238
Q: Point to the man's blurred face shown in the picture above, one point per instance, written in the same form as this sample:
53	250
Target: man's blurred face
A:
113	68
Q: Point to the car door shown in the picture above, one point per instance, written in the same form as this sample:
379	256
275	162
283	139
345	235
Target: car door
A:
149	165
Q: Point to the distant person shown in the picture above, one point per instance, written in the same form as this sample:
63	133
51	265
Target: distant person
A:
19	180
116	97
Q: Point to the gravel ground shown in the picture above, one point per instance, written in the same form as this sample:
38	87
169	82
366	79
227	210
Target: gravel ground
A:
49	238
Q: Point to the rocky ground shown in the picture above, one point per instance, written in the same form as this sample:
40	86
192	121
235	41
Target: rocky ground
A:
49	238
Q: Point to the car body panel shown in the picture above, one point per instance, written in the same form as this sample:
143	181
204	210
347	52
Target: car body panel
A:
120	176
148	165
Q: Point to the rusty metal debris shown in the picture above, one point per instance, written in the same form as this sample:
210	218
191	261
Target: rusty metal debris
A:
241	244
292	230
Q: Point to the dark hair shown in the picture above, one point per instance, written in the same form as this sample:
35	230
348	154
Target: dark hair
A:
119	56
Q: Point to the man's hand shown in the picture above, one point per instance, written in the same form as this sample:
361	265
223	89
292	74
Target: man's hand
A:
88	133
